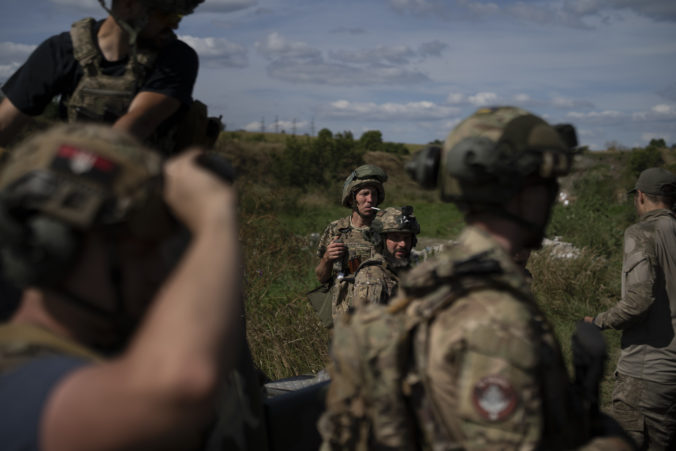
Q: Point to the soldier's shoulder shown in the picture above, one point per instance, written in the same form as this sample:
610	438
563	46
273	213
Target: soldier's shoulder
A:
454	261
337	224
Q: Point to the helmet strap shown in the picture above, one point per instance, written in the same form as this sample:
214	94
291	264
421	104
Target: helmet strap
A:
131	31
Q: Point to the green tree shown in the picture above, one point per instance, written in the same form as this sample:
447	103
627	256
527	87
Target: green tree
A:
641	159
371	140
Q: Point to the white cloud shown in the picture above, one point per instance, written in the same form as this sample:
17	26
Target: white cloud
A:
277	46
379	55
455	98
12	52
606	114
321	72
483	99
664	109
6	70
225	6
568	13
217	51
389	111
85	5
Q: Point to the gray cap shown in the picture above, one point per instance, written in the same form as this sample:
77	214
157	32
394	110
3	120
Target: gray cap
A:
656	181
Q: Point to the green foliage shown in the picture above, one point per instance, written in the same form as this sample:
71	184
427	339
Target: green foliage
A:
306	162
657	143
371	140
641	159
568	289
596	219
284	333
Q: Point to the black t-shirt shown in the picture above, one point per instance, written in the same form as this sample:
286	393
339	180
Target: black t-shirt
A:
52	70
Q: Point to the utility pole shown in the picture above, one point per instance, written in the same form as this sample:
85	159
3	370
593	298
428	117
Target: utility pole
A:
262	125
294	127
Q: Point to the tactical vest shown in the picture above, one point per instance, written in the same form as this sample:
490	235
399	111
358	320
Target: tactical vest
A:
105	98
358	251
99	97
377	398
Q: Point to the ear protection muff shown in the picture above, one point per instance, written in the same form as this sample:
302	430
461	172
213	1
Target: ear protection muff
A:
38	252
424	167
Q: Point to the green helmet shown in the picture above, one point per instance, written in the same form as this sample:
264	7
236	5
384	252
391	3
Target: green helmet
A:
367	174
394	219
490	156
70	179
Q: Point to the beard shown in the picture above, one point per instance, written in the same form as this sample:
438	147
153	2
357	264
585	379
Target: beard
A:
396	262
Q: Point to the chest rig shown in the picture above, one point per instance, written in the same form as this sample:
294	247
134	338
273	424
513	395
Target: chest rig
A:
100	97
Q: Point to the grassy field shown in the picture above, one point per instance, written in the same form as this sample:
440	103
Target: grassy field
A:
281	224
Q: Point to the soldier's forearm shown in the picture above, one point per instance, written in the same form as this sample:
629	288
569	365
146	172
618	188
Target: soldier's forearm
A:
623	314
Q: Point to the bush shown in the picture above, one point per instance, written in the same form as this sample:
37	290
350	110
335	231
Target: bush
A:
641	159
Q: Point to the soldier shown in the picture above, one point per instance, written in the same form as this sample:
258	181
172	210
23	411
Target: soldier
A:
128	70
394	234
114	346
463	358
644	397
343	245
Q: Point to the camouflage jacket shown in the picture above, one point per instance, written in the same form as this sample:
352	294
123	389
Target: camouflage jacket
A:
484	369
647	311
375	282
359	249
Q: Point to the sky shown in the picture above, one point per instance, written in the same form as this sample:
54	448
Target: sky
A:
413	69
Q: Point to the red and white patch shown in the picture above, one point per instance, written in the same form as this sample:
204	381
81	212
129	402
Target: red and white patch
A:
83	163
494	398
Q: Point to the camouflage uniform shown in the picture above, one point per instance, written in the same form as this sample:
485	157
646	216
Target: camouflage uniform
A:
360	249
376	281
488	372
644	398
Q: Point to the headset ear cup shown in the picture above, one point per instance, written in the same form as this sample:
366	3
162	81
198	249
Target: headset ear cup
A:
43	256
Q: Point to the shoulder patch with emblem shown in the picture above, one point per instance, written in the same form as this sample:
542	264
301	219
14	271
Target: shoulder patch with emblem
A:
494	398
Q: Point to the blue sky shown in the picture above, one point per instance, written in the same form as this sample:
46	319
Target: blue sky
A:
413	68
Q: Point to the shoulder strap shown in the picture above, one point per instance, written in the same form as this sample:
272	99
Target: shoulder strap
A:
18	336
85	49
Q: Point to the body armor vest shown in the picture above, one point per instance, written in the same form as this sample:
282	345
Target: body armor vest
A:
99	97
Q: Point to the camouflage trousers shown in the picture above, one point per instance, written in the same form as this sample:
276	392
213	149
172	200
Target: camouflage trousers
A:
647	411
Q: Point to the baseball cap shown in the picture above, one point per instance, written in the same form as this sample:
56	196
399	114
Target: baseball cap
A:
657	181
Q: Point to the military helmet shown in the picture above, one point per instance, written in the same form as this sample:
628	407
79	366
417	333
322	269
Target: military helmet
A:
367	174
394	219
183	7
489	156
70	179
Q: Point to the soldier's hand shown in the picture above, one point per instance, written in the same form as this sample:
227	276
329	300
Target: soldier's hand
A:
335	250
197	196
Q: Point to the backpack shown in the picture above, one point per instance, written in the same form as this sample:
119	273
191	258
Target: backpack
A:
375	370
